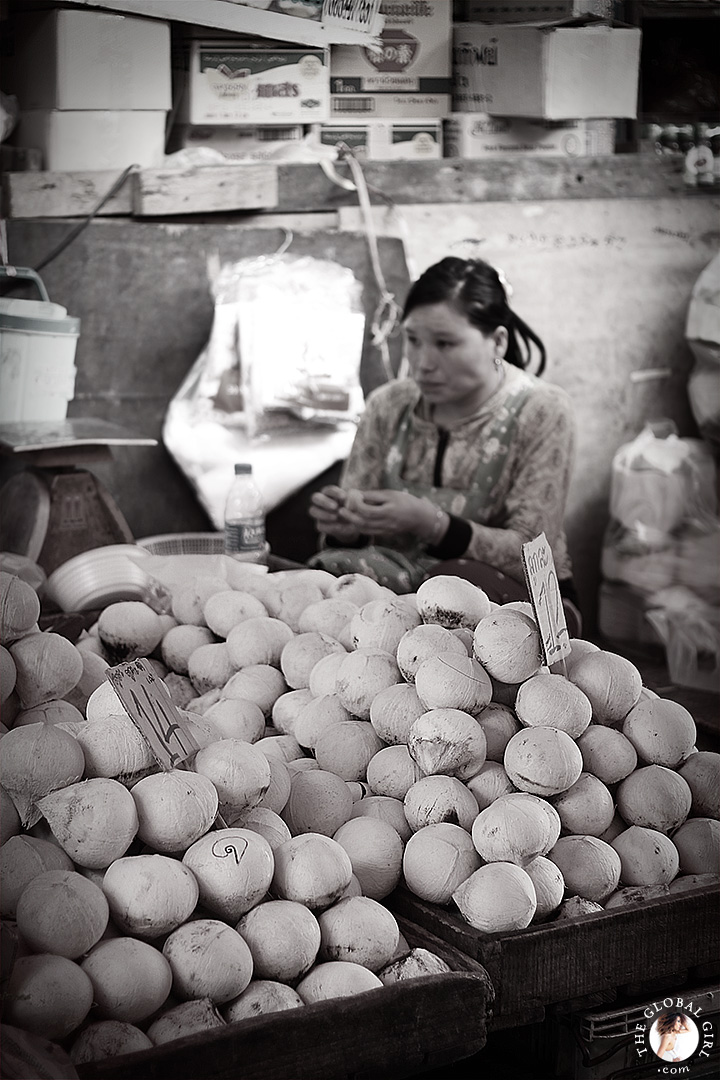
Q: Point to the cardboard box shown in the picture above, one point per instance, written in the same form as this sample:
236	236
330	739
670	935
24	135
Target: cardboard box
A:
551	72
476	136
94	139
387	140
239	143
530	11
256	84
410	75
69	59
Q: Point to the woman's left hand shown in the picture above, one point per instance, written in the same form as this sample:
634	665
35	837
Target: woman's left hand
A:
387	512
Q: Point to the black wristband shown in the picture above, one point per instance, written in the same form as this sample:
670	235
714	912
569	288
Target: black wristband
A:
455	541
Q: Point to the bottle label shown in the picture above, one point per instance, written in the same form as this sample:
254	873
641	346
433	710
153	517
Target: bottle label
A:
244	536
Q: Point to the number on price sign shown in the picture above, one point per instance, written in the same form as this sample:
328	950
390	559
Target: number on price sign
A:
147	702
546	600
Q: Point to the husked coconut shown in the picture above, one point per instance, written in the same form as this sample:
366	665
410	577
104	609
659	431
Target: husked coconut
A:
94	821
23	858
209	959
361	677
262	996
332	616
497	898
8	674
698	844
453	682
549	886
358	589
129	629
293	599
259	683
611	682
415	964
607	753
311	869
188	601
115	748
630	895
149	895
210	667
586	808
50	712
284	938
514	828
689	882
575	907
499	723
19	607
447	741
48	996
360	930
234	718
507	644
392	772
578	647
224	610
375	851
336	979
47	667
287	708
323	677
180	642
380	624
422	642
318	714
662	731
547	700
258	640
490	783
278	793
265	822
590	867
239	771
654	797
386	809
701	772
107	1039
9	817
175	808
62	913
648	857
233	867
452	602
319	802
542	761
347	748
393	712
94	673
302	652
436	861
440	798
616	826
187	1018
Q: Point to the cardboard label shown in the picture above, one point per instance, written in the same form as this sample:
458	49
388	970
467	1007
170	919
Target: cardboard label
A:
546	600
147	702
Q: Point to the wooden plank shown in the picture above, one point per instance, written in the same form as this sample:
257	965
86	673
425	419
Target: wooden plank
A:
549	963
383	1034
159	192
62	194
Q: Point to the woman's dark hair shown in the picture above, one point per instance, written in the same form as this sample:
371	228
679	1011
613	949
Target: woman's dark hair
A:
666	1022
475	288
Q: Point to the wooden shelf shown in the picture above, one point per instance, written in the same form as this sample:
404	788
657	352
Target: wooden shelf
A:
306	188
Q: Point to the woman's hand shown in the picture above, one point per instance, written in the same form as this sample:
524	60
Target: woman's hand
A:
388	512
327	508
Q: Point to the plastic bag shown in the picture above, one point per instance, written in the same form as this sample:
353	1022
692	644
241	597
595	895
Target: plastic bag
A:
690	630
663	528
703	334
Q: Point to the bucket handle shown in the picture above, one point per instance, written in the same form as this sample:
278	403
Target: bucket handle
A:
24	273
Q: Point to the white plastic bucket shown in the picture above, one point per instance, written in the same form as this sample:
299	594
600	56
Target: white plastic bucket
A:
37	358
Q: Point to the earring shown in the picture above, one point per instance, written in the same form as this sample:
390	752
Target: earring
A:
498	361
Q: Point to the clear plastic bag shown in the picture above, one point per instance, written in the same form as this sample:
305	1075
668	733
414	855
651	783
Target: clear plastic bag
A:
690	630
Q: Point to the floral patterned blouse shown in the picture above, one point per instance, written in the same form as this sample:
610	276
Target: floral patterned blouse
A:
505	469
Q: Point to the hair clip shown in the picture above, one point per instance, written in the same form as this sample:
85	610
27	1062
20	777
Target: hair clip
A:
504	281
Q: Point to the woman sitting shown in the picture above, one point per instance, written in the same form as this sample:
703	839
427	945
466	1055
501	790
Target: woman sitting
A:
468	459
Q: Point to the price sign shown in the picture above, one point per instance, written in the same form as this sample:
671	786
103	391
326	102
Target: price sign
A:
546	600
147	702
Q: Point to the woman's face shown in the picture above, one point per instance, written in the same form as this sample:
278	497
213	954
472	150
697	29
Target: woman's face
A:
450	359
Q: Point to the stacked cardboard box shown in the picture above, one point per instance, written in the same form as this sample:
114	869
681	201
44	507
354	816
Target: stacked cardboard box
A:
94	88
386	140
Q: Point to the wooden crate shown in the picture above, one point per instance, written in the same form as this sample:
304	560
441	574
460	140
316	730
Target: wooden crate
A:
384	1034
560	962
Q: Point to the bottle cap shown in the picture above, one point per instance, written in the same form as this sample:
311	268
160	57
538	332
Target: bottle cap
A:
243	468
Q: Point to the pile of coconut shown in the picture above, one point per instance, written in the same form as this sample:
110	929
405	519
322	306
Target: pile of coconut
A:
350	740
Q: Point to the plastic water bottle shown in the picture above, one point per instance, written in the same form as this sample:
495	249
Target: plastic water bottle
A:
245	518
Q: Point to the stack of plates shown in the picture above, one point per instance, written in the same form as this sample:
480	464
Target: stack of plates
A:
99	577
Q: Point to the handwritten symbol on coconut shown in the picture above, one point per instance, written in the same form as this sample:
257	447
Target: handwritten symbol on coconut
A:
229	849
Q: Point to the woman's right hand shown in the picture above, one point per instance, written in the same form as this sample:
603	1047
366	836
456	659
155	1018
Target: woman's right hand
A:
326	508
